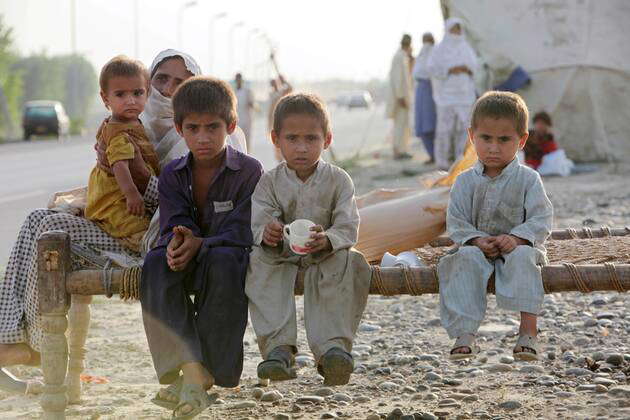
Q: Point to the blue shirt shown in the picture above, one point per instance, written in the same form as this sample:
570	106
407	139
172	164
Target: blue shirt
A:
227	214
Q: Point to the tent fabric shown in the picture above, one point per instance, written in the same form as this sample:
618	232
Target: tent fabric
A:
577	55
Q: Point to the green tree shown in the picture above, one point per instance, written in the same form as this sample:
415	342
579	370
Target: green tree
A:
10	83
70	79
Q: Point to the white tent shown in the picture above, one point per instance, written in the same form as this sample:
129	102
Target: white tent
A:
577	53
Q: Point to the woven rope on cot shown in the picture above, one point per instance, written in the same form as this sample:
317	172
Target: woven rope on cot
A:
587	232
605	230
411	289
106	278
435	276
378	282
612	271
580	284
130	283
572	233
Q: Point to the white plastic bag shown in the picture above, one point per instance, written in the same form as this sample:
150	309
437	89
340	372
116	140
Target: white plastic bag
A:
556	163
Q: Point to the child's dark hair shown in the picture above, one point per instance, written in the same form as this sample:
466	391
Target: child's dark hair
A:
544	117
204	95
495	104
122	66
301	103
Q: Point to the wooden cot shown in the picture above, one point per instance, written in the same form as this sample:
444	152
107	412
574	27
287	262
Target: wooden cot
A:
65	296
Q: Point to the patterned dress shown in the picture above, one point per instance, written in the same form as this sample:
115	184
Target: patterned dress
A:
20	320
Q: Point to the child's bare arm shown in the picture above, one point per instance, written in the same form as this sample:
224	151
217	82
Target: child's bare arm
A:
135	205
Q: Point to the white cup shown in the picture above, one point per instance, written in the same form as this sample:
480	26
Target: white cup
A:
298	234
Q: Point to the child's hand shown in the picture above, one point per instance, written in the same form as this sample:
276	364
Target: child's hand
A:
135	204
507	243
319	241
487	245
273	233
179	257
176	240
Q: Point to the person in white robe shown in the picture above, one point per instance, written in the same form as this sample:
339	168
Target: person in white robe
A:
452	65
245	107
399	98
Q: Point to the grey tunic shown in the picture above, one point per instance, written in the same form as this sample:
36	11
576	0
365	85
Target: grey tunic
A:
336	283
513	203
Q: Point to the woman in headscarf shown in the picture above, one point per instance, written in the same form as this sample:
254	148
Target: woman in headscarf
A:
424	104
452	65
20	323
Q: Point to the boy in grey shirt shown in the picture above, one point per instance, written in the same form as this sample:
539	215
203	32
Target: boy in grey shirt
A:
500	217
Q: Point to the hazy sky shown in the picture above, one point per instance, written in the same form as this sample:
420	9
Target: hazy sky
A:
315	39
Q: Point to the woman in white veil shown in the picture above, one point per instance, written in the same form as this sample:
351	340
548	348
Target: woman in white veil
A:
451	65
157	117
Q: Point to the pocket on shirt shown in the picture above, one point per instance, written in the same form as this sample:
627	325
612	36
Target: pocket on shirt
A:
514	214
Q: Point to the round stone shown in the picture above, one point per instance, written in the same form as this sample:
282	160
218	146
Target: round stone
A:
615	359
271	396
324	392
510	405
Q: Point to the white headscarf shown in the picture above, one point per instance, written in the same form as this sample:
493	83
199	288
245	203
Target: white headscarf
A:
420	69
157	116
453	51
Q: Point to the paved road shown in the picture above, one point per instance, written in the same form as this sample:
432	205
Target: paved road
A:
31	171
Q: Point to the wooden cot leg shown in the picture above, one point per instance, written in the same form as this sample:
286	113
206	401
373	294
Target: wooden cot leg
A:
79	324
53	263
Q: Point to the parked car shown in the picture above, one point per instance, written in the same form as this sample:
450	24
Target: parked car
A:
361	99
44	117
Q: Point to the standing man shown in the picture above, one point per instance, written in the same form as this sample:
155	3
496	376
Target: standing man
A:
399	98
424	105
245	108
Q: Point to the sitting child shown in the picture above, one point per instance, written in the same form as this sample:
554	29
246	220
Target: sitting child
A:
203	250
500	217
336	277
113	201
540	141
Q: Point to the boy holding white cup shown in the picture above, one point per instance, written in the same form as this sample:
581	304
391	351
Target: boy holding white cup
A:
336	277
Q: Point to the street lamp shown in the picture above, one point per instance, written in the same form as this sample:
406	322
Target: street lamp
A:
231	45
253	34
136	41
211	38
180	17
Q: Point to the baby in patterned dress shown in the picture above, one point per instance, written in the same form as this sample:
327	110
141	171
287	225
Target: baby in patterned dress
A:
114	202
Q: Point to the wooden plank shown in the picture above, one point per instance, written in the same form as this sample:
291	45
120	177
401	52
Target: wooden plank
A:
557	278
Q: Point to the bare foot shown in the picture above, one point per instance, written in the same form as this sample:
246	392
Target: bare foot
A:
528	327
17	354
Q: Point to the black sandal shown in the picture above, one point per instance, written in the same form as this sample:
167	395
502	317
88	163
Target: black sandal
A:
278	366
336	366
